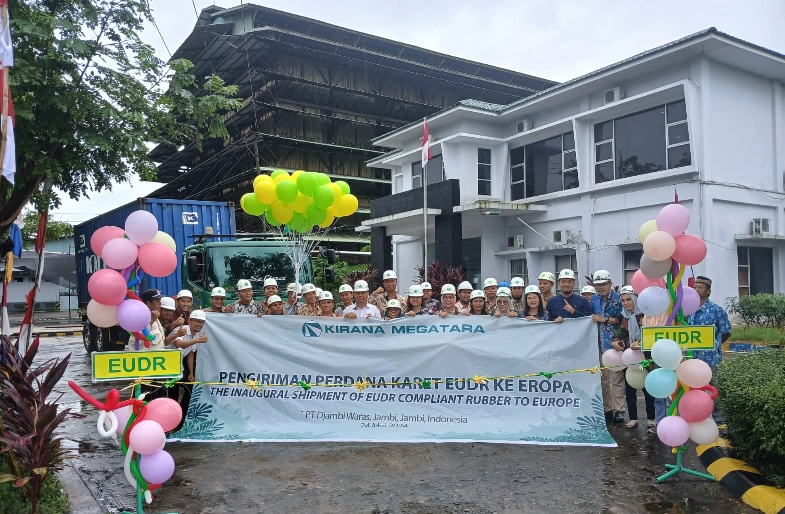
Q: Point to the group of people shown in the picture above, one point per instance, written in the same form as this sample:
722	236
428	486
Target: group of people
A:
618	318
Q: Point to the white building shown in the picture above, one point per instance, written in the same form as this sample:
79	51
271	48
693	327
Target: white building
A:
565	177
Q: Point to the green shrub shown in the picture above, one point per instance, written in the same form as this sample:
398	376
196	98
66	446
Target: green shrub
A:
760	310
752	397
13	501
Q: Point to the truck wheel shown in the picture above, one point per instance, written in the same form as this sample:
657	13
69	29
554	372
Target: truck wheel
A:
101	339
87	337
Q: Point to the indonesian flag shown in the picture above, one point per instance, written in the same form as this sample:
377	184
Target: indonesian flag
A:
426	143
8	145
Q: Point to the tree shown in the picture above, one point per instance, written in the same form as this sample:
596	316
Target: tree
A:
54	229
87	98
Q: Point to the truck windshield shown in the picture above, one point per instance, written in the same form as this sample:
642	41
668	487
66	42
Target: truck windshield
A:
228	264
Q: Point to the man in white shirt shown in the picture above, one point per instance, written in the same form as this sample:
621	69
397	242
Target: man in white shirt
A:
361	308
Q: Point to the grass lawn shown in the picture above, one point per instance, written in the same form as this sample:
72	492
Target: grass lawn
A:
759	335
53	500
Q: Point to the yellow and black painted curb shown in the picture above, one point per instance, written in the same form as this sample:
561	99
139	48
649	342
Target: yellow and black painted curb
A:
741	479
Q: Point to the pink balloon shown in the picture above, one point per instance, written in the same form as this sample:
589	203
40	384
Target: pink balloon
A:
166	412
632	358
673	431
101	315
157	467
611	358
673	219
133	315
690	302
141	227
695	405
640	282
659	245
119	253
107	286
690	249
157	259
102	235
694	373
123	414
146	437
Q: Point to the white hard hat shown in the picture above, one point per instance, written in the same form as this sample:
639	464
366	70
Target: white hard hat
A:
531	289
588	289
308	288
326	295
291	288
185	293
318	292
345	288
218	291
448	289
389	274
477	294
601	276
415	290
270	282
465	285
426	285
243	284
489	282
627	290
361	285
167	302
547	275
567	273
516	282
504	291
273	299
392	304
199	314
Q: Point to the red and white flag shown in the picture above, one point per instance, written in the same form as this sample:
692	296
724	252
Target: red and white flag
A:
8	145
426	143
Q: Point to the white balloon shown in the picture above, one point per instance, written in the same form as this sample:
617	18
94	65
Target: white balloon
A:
636	377
704	432
666	353
164	238
654	301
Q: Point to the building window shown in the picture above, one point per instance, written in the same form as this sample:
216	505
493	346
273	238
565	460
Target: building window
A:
484	171
632	261
543	167
567	262
644	142
518	268
435	171
756	270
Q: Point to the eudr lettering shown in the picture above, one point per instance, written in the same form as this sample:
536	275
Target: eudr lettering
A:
131	364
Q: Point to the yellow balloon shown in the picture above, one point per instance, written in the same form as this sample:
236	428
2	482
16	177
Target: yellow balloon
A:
349	204
336	190
260	178
297	174
282	212
646	229
265	191
328	220
164	238
301	203
282	176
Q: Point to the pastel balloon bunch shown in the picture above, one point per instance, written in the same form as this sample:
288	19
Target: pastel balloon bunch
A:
300	200
667	251
128	254
687	381
142	427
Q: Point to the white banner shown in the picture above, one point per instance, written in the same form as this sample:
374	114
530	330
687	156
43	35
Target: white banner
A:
292	378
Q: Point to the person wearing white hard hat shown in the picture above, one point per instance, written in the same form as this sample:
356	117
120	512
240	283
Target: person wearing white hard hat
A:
546	282
606	308
347	298
290	307
187	344
587	292
326	304
428	301
504	304
394	310
270	286
361	309
171	321
567	304
387	292
274	305
311	305
534	310
477	303
414	302
489	287
185	302
217	300
516	288
464	292
449	299
245	304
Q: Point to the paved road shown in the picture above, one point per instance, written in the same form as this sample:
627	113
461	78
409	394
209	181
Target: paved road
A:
391	478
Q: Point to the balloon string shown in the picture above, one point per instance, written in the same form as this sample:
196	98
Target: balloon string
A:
672	292
675	404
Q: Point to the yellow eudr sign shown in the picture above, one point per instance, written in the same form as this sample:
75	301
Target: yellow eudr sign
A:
688	337
149	364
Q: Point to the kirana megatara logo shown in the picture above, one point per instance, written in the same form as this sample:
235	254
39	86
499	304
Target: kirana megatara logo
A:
312	328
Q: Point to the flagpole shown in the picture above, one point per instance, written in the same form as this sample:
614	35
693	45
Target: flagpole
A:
425	218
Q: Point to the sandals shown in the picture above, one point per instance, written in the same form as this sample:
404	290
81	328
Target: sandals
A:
632	424
651	423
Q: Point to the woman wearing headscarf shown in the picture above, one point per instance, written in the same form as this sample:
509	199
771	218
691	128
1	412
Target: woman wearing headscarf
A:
504	304
628	335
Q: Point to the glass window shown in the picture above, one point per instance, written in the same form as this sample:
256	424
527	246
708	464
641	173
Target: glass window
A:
603	172
569	141
677	111
435	171
632	261
756	270
570	160
567	262
679	156
539	168
518	268
678	134
483	171
603	131
603	151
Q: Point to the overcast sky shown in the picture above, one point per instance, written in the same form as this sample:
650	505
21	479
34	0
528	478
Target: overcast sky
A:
556	40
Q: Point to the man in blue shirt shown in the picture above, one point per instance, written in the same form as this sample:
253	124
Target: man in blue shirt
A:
567	304
710	314
607	314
